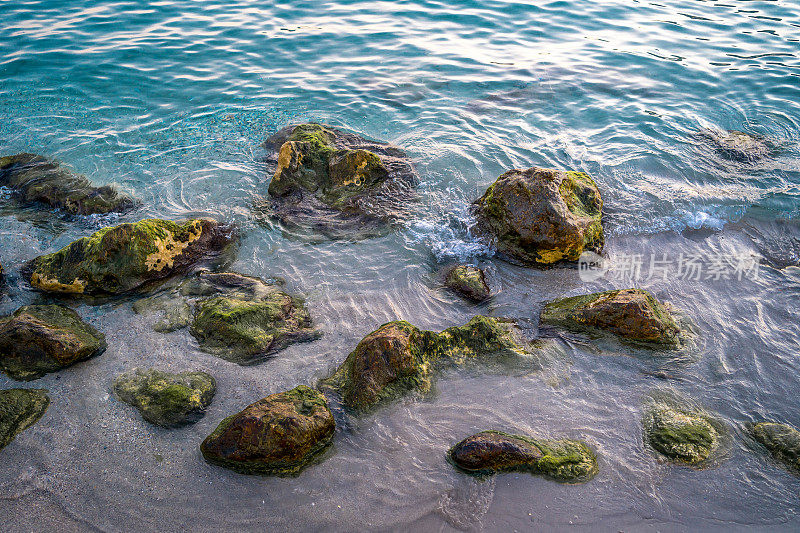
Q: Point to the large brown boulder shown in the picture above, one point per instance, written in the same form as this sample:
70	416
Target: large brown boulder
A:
128	257
490	452
38	339
36	179
278	435
632	314
336	184
541	216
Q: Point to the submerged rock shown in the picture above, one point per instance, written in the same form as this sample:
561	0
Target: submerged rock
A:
36	179
127	257
166	399
541	216
278	435
399	357
782	441
469	282
632	314
337	184
737	145
681	433
490	452
239	318
38	339
19	410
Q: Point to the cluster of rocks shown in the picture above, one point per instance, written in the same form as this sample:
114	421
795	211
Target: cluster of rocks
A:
340	185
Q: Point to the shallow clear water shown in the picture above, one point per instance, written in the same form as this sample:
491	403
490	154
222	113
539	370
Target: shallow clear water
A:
171	100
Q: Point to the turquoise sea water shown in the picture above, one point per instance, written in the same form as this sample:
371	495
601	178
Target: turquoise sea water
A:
170	100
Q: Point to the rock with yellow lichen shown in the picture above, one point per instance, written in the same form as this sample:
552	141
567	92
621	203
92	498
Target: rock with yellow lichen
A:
37	180
166	399
541	216
128	257
38	339
336	184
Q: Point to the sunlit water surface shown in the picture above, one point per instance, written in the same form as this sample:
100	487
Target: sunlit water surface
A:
171	100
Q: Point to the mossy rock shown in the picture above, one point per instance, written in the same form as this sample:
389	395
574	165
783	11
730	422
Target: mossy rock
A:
541	216
128	257
36	179
782	441
278	435
399	357
737	145
166	399
468	281
38	339
490	452
335	183
238	318
634	315
19	410
683	434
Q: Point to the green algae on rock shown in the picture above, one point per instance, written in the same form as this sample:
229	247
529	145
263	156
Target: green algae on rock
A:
782	441
38	339
278	435
490	452
127	257
634	315
166	399
541	216
19	410
36	179
682	433
468	281
335	183
239	318
399	357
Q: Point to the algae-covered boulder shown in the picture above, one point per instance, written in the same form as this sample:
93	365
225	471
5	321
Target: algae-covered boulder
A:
38	339
399	357
490	452
127	257
737	145
336	184
782	441
469	282
682	433
634	315
239	318
541	216
19	410
278	435
36	179
166	399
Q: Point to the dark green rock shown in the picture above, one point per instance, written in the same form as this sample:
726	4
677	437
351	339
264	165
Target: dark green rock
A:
35	179
399	357
782	441
541	216
490	452
469	282
632	314
683	434
278	435
38	339
19	410
166	399
737	145
127	257
336	184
